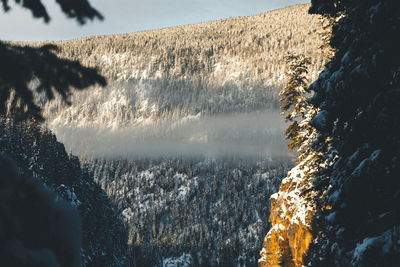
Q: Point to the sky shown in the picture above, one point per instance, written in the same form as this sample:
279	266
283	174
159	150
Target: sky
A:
126	16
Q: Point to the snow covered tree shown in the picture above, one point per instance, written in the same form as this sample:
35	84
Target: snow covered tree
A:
294	204
358	93
294	97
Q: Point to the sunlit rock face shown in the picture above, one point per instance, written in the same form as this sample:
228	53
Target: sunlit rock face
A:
291	213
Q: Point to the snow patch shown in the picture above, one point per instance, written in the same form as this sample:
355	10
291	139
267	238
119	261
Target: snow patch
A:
183	261
382	242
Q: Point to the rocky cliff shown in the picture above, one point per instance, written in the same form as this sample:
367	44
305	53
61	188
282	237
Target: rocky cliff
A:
292	210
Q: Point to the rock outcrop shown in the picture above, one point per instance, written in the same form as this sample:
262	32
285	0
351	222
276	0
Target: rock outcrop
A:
292	210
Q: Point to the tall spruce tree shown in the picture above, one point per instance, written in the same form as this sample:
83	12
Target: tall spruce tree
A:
294	102
358	222
299	113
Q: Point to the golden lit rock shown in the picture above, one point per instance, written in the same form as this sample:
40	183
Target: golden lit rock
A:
292	209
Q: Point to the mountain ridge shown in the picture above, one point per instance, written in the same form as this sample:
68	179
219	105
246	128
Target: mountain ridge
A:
194	71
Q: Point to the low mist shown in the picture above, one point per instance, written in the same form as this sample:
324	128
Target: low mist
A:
239	135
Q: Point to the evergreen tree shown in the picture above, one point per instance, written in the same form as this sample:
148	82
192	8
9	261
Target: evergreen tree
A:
81	10
300	112
358	94
294	97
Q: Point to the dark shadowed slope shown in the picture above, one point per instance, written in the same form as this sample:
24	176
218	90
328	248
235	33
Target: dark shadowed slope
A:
37	154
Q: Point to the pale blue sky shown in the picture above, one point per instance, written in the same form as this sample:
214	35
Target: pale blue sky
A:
125	16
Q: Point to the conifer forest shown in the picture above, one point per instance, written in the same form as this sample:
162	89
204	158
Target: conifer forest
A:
263	140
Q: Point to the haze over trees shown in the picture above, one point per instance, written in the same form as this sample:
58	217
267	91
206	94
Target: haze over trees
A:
206	209
177	77
232	65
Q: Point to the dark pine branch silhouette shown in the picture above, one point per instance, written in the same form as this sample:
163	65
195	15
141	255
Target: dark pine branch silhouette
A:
42	230
81	10
26	70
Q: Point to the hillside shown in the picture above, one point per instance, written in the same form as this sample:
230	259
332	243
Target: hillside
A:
186	139
232	65
179	154
207	210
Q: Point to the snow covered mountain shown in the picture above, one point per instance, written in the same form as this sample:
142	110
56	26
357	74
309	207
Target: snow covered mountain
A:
188	72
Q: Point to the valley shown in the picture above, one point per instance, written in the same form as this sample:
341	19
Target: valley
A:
186	139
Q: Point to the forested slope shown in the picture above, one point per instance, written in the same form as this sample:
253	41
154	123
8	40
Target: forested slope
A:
232	65
39	156
207	210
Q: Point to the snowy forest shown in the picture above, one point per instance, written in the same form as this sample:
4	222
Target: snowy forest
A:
181	149
189	142
267	140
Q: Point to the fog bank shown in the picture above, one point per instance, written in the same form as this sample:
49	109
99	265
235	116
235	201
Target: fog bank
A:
239	135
